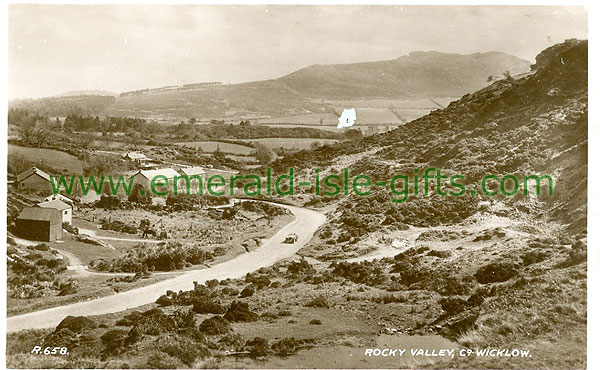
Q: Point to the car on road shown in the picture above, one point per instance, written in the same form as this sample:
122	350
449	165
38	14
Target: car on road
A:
291	239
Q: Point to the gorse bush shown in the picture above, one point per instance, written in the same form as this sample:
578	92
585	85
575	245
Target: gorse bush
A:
240	312
318	301
158	257
215	325
496	272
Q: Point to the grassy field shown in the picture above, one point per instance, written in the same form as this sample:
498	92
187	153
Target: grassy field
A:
393	103
49	157
290	143
368	112
242	158
211	146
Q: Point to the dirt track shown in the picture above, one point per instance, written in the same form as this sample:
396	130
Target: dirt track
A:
272	250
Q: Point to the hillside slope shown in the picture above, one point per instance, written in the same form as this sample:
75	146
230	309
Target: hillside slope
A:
417	75
536	124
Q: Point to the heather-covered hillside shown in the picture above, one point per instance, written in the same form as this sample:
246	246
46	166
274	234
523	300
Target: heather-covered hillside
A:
536	124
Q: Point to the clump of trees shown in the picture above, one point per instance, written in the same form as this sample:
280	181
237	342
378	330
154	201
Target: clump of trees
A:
264	154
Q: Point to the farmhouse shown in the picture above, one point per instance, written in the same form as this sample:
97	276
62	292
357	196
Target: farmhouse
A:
196	177
225	173
136	157
144	177
42	224
33	179
65	209
59	197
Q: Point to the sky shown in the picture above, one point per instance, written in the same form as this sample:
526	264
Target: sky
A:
57	48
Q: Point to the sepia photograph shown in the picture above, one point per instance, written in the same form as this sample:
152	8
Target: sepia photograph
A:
296	186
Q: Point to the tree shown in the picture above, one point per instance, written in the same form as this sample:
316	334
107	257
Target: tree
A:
264	154
144	224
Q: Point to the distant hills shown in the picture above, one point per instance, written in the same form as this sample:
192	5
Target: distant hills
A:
533	124
86	92
309	90
417	75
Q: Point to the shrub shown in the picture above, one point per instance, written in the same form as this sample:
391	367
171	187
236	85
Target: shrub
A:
184	319
41	247
496	272
240	312
76	324
315	322
232	341
532	257
215	325
61	338
439	254
318	301
160	257
163	301
184	350
108	202
114	340
161	361
152	322
207	305
453	305
212	284
120	226
258	347
68	287
288	346
360	273
300	267
451	286
247	291
260	281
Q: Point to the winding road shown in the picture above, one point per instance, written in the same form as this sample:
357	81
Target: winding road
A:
273	250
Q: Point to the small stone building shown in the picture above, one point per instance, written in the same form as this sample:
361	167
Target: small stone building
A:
34	179
41	224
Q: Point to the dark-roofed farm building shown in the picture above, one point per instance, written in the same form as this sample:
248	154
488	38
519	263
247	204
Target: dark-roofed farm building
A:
42	224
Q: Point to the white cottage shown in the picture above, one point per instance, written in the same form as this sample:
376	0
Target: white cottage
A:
66	210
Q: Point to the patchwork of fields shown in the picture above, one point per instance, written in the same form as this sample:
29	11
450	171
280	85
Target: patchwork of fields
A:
290	143
382	112
48	157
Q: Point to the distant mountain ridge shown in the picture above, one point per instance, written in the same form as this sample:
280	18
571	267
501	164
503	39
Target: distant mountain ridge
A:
414	76
86	93
533	124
